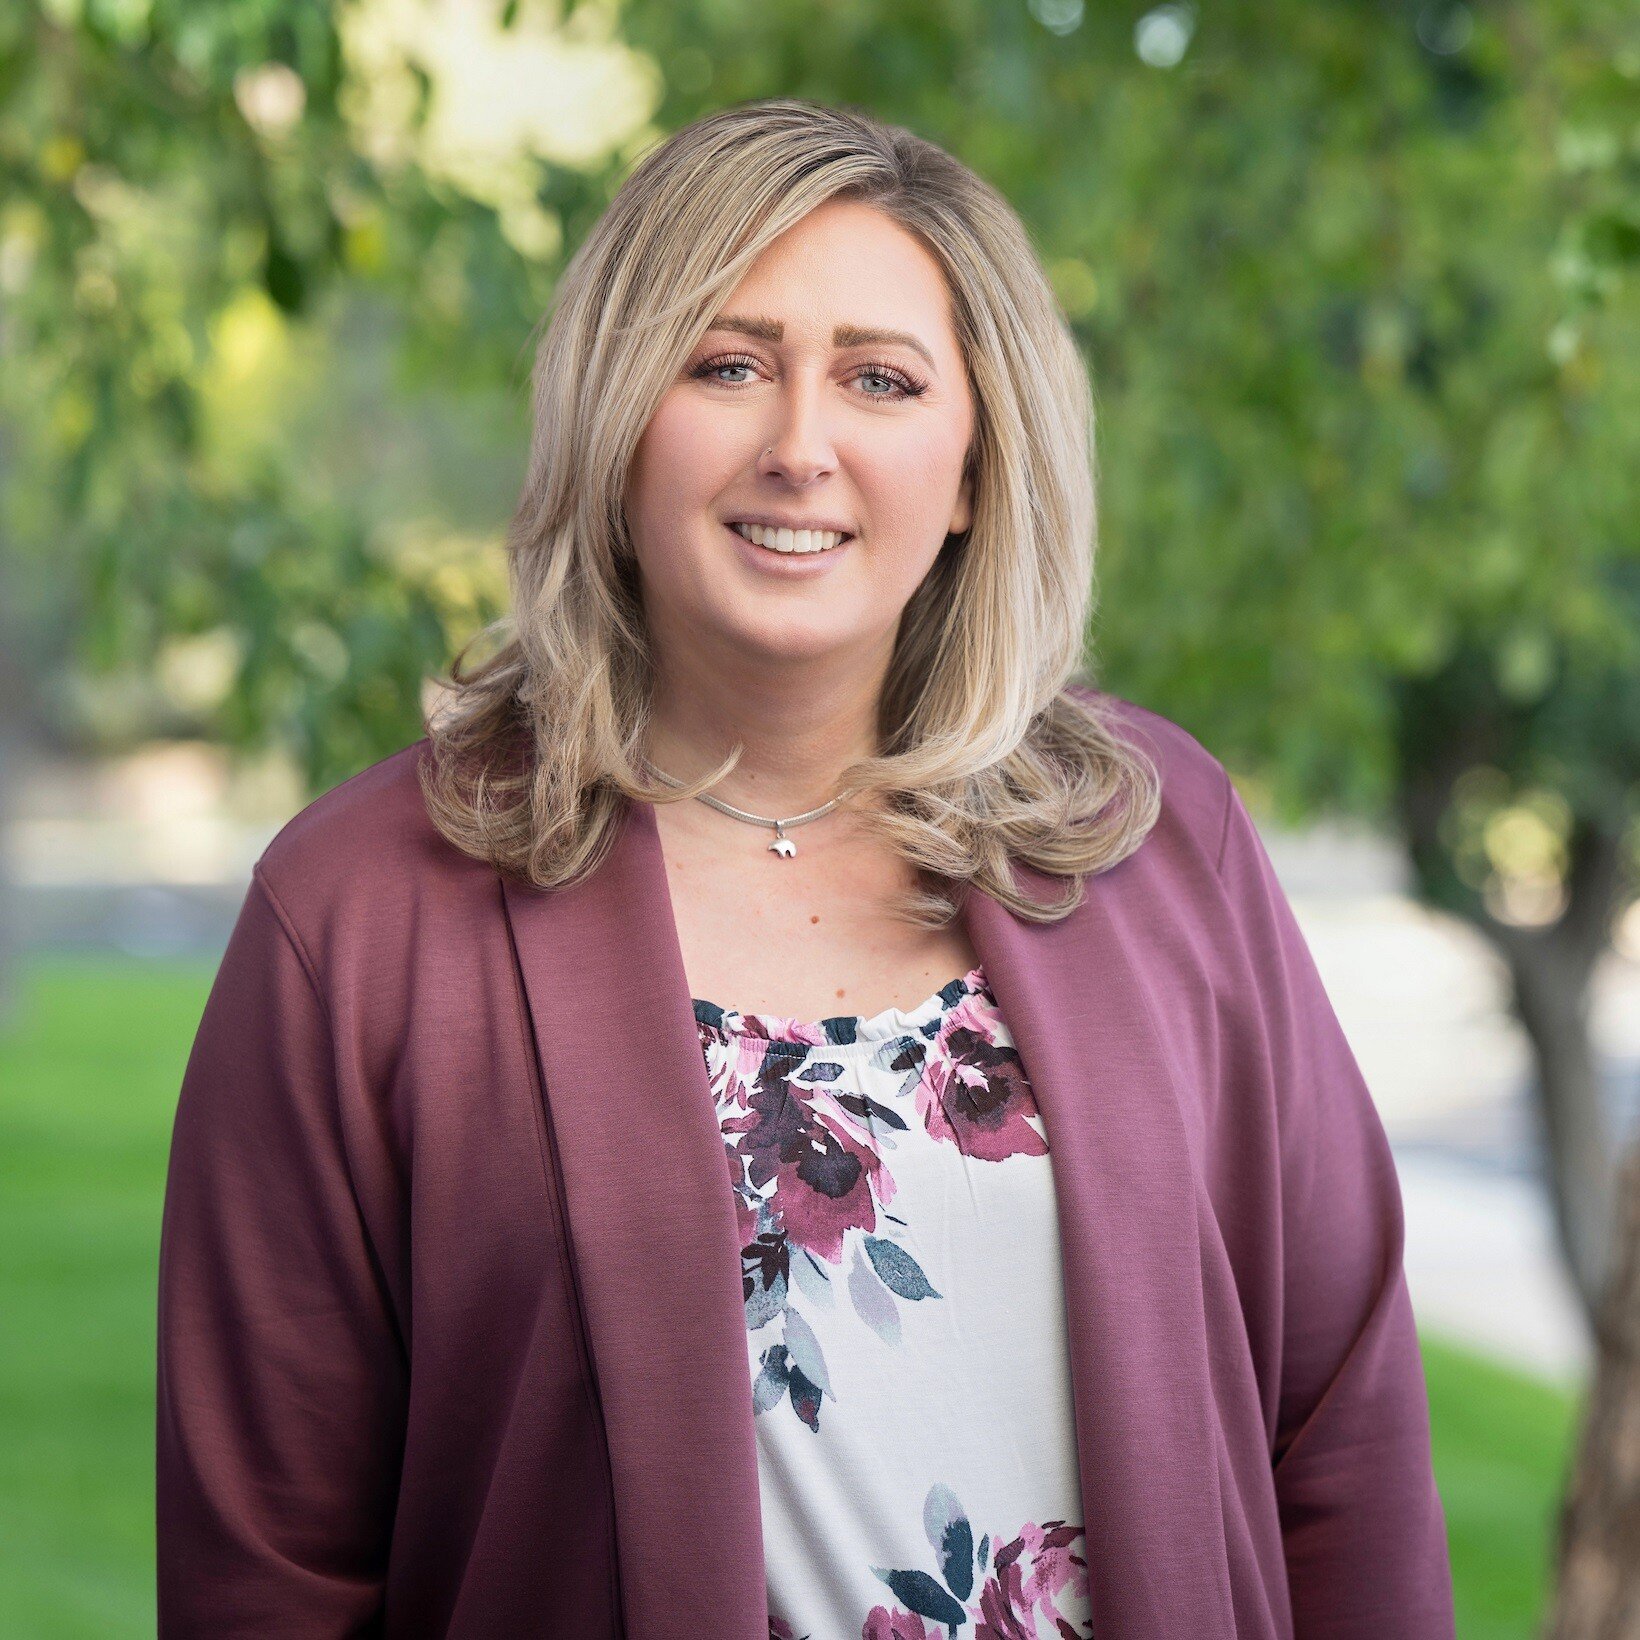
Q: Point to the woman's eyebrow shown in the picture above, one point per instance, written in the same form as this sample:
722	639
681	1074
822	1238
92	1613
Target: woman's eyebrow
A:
771	330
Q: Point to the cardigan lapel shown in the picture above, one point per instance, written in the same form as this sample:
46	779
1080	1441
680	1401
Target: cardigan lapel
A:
1073	996
657	1249
656	1246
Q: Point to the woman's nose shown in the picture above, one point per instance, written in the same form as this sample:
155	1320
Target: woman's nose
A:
798	445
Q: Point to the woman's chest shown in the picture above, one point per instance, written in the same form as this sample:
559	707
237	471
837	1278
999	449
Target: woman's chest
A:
586	1182
902	1280
805	939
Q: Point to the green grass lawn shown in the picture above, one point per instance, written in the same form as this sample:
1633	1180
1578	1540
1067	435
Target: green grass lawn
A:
89	1073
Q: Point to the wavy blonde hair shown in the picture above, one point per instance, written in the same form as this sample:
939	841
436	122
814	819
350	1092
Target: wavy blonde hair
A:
991	748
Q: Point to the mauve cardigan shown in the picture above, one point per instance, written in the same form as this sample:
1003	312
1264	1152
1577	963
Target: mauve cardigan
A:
451	1335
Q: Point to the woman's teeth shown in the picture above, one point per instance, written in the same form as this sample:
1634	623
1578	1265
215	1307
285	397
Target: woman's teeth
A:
790	540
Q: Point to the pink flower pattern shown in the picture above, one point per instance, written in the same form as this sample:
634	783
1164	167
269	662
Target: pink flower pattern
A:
808	1173
1013	1594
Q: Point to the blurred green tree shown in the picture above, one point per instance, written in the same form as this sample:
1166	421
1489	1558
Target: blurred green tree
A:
197	203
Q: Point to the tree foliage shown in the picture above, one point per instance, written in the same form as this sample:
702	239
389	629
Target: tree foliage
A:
1350	282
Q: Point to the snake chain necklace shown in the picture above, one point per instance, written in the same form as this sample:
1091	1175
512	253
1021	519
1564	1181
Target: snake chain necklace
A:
782	846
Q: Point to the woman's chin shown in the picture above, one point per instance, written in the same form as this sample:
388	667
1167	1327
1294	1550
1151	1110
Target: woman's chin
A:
780	635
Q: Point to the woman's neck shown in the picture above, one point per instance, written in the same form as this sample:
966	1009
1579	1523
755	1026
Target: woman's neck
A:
795	746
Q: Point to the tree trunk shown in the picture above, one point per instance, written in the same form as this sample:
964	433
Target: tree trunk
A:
1598	1582
1551	1000
1598	1593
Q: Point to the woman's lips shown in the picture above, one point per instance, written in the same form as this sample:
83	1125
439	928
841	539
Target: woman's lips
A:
791	565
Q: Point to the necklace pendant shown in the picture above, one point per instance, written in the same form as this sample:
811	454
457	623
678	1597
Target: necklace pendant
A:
782	844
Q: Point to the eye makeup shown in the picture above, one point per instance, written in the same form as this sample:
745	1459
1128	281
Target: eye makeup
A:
909	386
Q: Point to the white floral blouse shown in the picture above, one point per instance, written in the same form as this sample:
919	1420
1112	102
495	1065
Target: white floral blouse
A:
905	1316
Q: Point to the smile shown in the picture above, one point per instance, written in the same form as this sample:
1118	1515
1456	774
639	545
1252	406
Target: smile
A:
791	541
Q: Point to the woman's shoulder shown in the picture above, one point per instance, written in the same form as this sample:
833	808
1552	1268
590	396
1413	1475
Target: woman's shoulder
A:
365	847
1194	784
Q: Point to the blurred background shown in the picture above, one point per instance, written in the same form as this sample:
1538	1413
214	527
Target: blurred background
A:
1357	286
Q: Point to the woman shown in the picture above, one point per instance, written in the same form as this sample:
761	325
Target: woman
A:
784	1114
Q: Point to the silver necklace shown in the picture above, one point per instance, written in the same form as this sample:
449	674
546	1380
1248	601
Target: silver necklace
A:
782	845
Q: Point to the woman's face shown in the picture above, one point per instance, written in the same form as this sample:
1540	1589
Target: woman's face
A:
786	411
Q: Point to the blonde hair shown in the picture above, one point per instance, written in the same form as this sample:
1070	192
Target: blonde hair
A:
991	748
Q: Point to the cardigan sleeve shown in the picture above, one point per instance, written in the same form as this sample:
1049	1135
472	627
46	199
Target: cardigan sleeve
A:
282	1378
1362	1524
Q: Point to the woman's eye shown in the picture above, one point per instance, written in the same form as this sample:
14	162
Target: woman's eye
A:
902	384
713	366
899	384
707	369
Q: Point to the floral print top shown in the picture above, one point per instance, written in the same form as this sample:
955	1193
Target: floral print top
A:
905	1321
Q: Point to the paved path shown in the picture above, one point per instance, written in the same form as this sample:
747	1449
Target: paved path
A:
1482	1267
1422	999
